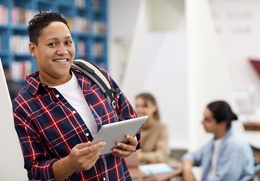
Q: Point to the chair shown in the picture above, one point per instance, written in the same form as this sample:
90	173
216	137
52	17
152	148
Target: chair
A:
238	125
257	161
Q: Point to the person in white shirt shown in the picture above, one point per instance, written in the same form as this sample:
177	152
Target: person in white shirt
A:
227	156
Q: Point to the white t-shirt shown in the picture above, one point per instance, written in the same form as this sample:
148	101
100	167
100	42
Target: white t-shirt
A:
214	159
73	94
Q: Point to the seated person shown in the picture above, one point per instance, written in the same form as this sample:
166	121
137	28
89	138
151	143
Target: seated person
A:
154	145
227	156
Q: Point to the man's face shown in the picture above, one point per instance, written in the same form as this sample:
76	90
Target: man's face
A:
209	122
54	53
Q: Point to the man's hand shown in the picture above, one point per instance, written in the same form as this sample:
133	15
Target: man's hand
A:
82	157
187	174
125	149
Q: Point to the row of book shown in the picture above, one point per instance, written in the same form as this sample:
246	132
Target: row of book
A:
81	48
80	24
18	44
19	69
77	24
80	3
96	4
99	28
4	14
21	16
97	50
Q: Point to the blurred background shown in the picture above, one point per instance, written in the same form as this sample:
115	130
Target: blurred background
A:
185	52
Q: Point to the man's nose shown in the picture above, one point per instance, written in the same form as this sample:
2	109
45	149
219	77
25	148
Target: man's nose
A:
62	49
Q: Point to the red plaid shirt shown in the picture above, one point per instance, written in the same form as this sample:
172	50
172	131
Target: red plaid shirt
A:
48	128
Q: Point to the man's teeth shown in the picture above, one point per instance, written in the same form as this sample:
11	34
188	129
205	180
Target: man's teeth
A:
61	60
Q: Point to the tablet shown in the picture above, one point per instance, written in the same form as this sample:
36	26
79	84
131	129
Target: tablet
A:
115	132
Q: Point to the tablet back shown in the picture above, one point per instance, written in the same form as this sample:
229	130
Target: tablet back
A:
115	132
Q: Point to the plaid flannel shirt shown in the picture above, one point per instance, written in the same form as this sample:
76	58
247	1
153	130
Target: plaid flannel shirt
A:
48	127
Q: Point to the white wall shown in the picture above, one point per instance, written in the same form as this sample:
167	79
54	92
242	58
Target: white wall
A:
129	20
208	76
166	15
153	68
165	73
238	28
217	61
122	19
11	159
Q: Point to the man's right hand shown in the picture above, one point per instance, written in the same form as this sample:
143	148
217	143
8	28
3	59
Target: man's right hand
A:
187	174
82	157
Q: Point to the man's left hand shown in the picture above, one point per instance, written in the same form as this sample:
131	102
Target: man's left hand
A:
125	149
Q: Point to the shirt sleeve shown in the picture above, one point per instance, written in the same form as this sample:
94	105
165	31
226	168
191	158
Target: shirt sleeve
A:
196	156
37	161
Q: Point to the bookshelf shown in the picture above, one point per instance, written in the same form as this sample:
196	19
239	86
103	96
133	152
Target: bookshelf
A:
86	18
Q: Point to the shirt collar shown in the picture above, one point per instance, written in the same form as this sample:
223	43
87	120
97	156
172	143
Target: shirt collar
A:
33	83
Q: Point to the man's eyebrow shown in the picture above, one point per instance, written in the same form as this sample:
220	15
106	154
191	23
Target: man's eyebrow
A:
66	37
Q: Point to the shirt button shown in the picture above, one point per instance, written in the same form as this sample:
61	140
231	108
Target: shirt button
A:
87	134
104	178
74	112
57	95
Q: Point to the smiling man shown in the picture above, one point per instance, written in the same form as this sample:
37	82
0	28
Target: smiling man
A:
60	110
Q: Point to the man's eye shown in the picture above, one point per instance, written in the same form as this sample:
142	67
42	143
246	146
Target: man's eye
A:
52	44
68	42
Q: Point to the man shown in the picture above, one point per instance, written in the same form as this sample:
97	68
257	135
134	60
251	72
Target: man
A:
61	109
228	156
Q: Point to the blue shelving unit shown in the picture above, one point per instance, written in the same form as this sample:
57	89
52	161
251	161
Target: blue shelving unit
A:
87	20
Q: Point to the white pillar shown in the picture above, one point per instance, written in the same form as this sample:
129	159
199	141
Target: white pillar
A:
11	159
208	77
131	86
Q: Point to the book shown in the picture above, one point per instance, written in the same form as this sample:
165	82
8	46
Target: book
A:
158	168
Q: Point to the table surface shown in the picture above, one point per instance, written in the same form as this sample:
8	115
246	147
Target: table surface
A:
138	175
252	133
252	126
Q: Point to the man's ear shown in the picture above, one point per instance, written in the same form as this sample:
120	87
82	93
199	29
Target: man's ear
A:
32	48
223	123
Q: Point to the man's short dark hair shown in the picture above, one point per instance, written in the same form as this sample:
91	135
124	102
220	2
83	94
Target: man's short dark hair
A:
40	21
